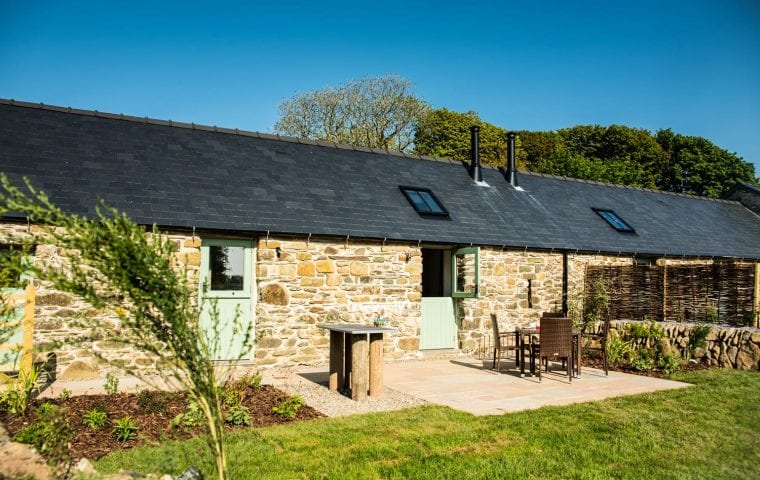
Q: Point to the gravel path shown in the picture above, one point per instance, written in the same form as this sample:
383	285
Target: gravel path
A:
312	386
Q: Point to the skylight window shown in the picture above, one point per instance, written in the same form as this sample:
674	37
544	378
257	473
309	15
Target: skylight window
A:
615	222
424	201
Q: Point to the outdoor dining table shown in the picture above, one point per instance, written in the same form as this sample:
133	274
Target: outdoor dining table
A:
525	337
355	365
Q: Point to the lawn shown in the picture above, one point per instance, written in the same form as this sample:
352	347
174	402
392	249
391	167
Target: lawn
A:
710	430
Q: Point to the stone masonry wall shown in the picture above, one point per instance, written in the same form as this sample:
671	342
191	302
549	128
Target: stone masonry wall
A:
302	284
58	314
727	347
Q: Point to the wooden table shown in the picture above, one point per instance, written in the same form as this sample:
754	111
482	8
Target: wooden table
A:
355	365
524	336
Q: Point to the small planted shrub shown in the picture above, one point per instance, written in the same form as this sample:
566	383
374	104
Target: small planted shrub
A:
698	338
191	417
112	384
239	415
232	393
65	394
289	408
95	418
50	434
152	402
16	395
125	429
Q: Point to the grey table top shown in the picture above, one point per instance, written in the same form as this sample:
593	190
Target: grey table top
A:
354	328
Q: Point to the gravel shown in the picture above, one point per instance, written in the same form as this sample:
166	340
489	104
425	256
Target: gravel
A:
312	386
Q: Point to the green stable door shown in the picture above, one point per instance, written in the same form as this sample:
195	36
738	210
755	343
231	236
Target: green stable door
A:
226	286
446	275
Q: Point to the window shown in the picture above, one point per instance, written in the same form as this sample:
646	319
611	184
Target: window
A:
226	267
465	270
614	221
424	201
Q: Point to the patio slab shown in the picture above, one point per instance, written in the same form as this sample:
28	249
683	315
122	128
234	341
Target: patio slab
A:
469	385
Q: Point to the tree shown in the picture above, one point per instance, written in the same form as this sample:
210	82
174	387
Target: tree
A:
445	133
699	167
114	265
377	112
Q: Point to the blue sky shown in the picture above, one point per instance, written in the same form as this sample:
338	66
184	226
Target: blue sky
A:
693	66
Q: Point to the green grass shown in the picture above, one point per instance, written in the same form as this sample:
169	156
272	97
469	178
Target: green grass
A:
707	431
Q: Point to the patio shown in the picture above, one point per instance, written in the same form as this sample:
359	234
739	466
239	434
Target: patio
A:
464	384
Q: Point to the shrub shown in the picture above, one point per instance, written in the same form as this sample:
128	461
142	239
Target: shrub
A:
289	408
65	394
698	338
112	384
95	418
232	393
669	362
617	350
191	417
16	396
50	434
125	429
152	401
239	415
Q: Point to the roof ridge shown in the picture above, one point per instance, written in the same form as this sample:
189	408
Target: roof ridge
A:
217	129
319	143
626	187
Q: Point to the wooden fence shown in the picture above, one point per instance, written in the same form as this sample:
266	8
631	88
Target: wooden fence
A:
723	292
23	323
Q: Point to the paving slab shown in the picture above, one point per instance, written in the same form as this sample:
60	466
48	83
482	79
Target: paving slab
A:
470	385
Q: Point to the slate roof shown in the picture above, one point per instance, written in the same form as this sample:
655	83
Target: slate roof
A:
186	175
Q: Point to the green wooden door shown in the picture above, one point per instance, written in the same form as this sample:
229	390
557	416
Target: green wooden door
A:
438	325
226	286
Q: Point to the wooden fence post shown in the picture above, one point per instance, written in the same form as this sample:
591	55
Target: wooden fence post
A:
664	292
28	326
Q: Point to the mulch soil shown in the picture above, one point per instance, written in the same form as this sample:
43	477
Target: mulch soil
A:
596	362
152	412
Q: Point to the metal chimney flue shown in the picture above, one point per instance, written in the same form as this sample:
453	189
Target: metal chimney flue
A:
475	171
511	170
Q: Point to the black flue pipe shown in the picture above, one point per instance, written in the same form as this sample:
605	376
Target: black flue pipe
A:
475	171
511	170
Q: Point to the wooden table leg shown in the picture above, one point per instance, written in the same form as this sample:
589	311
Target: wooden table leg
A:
376	365
347	361
359	373
336	360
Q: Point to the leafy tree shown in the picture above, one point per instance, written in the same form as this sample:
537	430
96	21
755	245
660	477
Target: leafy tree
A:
112	263
699	167
445	133
378	112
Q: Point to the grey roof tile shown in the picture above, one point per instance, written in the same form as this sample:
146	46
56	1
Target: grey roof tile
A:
187	175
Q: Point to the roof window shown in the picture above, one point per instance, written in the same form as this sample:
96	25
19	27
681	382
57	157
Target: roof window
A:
424	201
614	220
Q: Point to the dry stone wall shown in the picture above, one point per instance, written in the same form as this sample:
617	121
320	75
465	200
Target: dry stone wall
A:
304	283
727	347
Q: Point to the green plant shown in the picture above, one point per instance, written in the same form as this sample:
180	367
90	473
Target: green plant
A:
152	401
617	350
191	417
232	393
95	418
124	429
65	394
115	265
669	362
50	434
595	304
111	386
643	359
17	393
712	315
239	415
698	338
289	408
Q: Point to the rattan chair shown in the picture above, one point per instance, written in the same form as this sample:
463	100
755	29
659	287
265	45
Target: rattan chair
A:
597	341
556	343
502	342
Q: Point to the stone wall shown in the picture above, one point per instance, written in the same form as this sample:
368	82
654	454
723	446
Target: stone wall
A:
506	276
302	284
58	316
726	347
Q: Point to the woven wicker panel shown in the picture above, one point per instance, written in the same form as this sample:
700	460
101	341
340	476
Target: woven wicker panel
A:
722	292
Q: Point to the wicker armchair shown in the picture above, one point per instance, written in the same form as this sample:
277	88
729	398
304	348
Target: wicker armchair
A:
597	342
556	343
502	342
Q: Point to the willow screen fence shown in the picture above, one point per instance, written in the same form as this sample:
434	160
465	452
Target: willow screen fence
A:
723	292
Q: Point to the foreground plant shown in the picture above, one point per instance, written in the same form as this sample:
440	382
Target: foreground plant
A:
115	265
